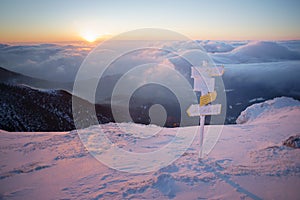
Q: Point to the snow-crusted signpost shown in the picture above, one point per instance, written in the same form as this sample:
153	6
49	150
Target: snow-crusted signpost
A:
204	83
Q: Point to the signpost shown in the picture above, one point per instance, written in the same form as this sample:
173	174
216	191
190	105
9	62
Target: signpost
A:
204	83
197	110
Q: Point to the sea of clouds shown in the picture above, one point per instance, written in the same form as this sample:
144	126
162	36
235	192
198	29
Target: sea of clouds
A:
60	62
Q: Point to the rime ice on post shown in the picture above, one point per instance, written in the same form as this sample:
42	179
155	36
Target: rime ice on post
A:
204	83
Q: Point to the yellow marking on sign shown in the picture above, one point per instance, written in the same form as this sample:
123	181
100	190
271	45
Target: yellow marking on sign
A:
206	99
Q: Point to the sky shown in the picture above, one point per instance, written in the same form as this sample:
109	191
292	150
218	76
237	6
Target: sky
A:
73	20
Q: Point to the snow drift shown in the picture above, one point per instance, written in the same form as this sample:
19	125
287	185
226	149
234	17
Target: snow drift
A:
271	109
248	162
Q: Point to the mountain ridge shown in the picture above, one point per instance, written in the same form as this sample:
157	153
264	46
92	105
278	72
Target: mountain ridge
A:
26	109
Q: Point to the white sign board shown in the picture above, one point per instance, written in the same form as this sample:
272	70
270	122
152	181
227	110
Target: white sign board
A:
204	85
197	110
198	72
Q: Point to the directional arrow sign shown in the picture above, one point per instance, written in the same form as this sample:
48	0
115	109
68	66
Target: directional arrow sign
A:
198	72
197	110
204	85
206	99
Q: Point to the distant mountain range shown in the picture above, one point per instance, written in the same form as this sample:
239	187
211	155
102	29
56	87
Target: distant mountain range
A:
14	78
27	105
31	104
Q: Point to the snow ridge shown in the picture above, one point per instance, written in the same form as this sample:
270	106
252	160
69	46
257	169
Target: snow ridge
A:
268	109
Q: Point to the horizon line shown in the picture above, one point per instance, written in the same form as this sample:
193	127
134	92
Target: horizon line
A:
99	41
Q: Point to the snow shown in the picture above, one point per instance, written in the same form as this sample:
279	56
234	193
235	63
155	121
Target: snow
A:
48	91
249	161
275	108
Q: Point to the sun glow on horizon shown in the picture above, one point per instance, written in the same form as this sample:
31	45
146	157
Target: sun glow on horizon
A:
60	21
90	36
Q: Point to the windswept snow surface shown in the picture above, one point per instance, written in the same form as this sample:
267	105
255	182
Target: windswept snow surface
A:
248	162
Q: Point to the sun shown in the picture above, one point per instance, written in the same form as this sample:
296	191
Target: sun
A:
90	36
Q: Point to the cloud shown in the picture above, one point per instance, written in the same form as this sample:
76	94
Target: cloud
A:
258	52
60	70
60	62
53	62
216	46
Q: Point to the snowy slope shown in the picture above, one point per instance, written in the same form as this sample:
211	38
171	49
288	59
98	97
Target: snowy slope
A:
23	108
274	109
248	162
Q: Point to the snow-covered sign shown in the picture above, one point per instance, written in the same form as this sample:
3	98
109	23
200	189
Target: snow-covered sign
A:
204	83
198	72
197	110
